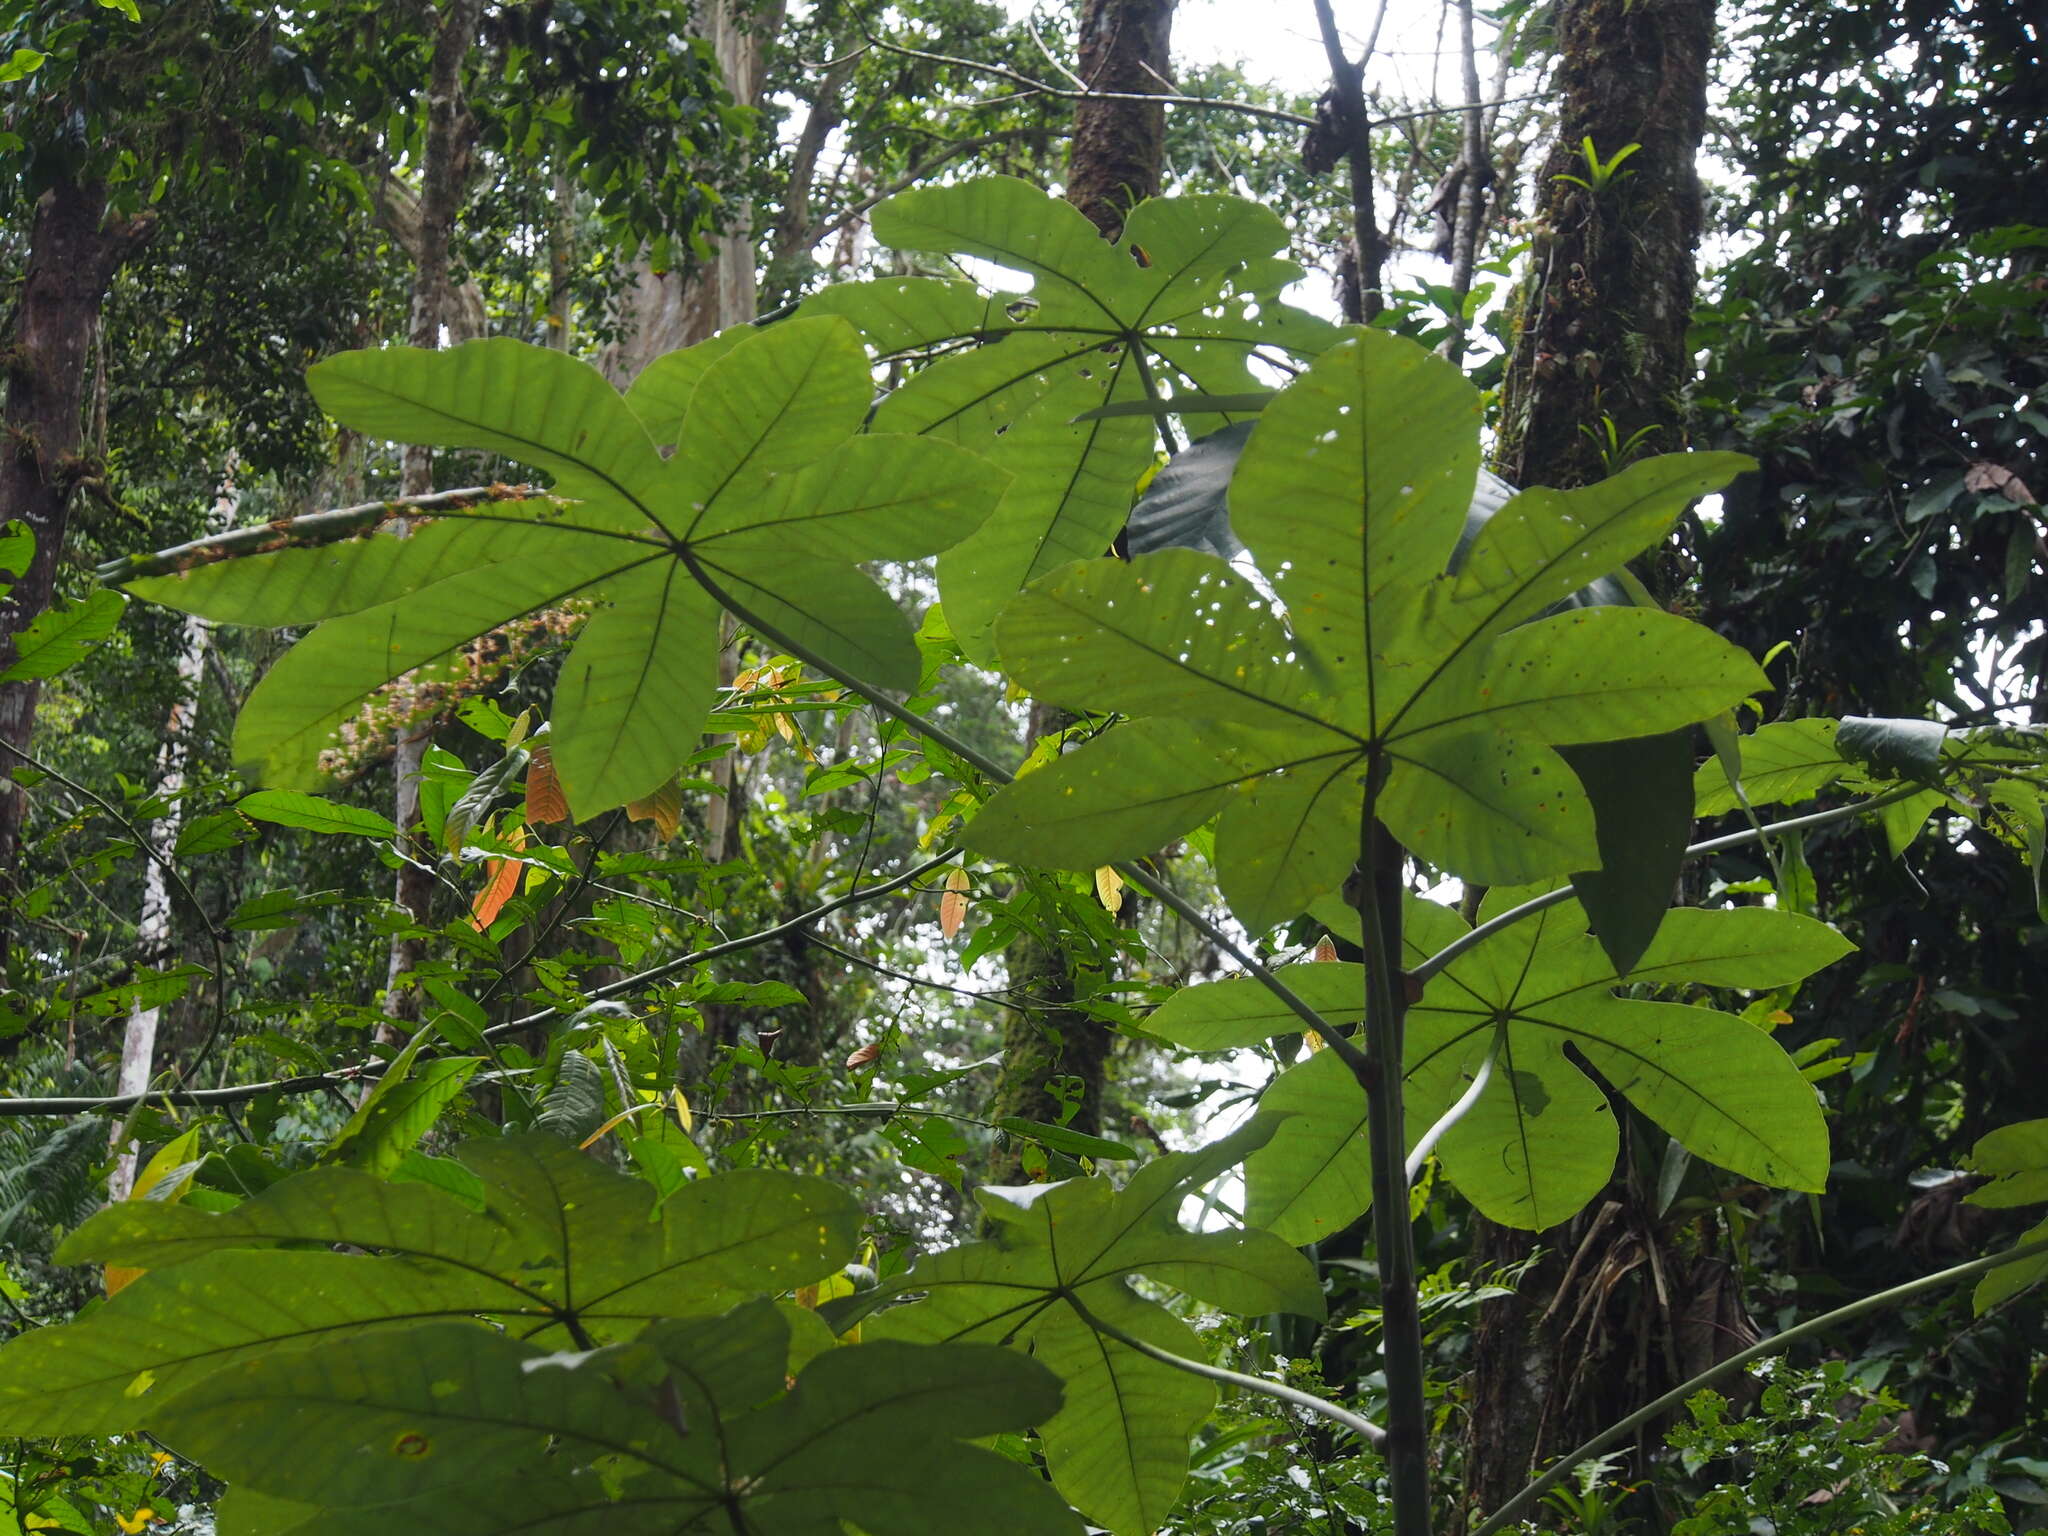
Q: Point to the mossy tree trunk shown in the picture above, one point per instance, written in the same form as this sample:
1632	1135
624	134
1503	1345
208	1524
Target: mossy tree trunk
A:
1114	164
1598	377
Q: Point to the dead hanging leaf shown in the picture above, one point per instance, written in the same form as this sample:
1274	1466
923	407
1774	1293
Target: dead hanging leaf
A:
953	905
681	1105
664	808
1326	949
498	888
545	802
1984	476
1109	889
864	1055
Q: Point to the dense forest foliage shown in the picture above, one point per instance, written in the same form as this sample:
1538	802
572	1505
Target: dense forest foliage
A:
804	768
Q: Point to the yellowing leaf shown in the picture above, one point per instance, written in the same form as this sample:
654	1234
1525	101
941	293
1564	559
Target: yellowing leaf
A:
1109	889
682	1107
131	1523
1326	949
664	808
609	1126
953	905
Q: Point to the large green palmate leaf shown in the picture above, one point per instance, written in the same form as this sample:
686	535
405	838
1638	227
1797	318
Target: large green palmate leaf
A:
1454	689
769	503
459	1430
1062	1256
1540	1140
1181	303
565	1248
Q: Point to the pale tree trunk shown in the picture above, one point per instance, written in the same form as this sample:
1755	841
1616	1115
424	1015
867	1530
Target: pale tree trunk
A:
1601	343
669	310
153	930
1114	164
443	177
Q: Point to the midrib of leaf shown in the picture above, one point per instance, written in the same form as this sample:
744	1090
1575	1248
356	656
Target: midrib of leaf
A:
1295	711
1478	630
547	453
626	716
763	428
1649	1064
1036	267
1446	722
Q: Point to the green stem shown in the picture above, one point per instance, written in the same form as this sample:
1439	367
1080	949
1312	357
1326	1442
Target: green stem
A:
1525	1500
1419	1153
1380	861
1364	1428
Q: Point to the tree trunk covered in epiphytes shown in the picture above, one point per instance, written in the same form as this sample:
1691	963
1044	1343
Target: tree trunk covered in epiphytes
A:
1119	145
444	175
1599	362
1114	164
1609	296
72	253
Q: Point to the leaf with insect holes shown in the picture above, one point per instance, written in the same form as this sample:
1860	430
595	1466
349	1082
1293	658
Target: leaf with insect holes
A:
1455	688
1183	302
772	501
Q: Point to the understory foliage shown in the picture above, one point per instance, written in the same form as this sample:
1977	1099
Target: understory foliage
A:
514	1294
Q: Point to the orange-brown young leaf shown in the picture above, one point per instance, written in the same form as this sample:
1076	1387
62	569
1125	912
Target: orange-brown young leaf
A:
545	801
498	889
953	905
664	808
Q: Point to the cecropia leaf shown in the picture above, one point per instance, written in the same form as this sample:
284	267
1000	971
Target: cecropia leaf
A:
1540	1141
1179	304
770	503
1061	1259
1443	694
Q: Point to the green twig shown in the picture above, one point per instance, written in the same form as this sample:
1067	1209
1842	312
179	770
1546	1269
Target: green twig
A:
1364	1428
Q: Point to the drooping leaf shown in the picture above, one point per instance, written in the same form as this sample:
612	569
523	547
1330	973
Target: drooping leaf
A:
1103	326
770	503
1063	1254
1539	1142
466	1432
1641	792
1783	763
60	637
1900	749
310	813
565	1248
401	1109
1352	495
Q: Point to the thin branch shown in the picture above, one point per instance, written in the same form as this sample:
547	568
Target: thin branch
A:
1364	1428
304	532
368	1071
1347	87
172	873
1523	1501
1031	87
